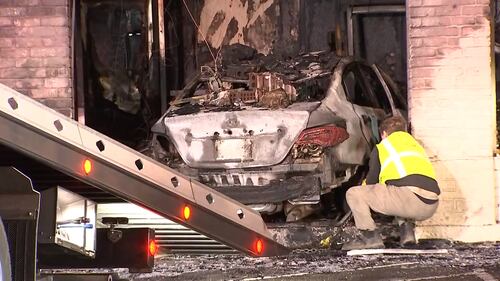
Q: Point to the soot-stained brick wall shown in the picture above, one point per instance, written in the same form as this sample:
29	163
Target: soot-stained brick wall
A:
35	50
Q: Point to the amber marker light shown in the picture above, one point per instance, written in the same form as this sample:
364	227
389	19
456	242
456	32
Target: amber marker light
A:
152	248
259	246
186	212
87	166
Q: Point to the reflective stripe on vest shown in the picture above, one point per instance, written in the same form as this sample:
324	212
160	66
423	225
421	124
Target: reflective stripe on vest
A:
400	155
395	157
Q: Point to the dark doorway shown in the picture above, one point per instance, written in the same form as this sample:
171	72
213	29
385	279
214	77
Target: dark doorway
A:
379	36
114	70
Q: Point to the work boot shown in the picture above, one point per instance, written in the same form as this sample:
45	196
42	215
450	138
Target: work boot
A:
407	234
368	239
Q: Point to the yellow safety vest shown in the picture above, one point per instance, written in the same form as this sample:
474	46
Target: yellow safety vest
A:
400	155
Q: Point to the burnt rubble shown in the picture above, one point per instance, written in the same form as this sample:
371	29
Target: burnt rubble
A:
460	258
244	78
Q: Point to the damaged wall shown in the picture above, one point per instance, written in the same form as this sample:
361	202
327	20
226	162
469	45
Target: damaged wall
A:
258	24
266	26
277	26
35	50
452	112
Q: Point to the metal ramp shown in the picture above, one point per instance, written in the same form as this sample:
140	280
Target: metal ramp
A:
62	143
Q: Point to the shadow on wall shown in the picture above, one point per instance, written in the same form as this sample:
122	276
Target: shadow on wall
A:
452	205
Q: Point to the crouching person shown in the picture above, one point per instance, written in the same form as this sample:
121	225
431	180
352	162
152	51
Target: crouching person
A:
400	182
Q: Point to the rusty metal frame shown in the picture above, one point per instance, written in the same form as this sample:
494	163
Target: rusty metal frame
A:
62	143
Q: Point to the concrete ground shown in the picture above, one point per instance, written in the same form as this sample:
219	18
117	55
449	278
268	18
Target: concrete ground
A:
463	262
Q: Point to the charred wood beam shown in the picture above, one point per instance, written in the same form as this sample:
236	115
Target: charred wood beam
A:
174	25
77	66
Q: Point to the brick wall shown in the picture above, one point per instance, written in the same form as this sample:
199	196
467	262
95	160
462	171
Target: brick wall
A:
452	110
35	50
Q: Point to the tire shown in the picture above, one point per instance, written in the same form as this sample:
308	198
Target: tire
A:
337	198
5	269
340	192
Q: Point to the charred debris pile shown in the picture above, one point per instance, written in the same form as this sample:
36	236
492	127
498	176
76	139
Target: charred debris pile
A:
245	78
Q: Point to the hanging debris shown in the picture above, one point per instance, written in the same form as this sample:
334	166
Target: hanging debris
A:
116	49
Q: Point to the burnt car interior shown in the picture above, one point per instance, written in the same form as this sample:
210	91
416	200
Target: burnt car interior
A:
140	63
253	81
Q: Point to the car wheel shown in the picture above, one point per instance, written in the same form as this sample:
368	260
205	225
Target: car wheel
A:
5	269
355	180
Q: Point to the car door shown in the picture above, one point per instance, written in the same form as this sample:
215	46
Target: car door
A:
381	93
398	101
360	93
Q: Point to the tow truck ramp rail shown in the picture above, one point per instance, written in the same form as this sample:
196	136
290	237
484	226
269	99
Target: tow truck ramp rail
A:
85	154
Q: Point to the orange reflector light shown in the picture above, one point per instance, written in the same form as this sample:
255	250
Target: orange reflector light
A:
259	246
186	212
152	248
87	166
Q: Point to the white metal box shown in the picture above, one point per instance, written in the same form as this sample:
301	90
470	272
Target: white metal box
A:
67	220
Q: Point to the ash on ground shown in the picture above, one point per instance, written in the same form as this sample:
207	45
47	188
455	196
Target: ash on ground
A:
314	261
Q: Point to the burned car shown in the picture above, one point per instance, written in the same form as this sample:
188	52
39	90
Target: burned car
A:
277	134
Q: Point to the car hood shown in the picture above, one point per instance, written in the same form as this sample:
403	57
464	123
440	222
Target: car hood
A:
236	139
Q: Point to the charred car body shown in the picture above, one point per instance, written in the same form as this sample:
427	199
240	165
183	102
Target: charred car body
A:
277	134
